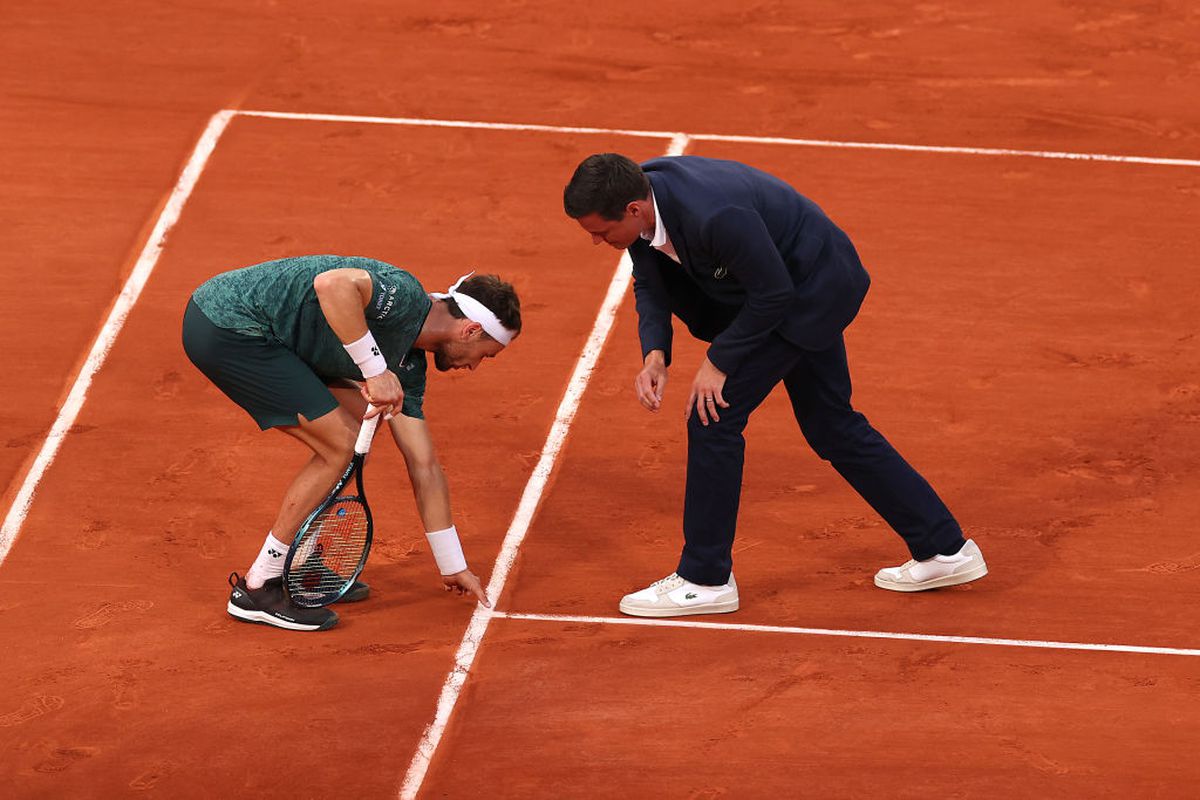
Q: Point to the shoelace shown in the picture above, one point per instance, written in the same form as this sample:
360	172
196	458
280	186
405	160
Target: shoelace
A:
674	576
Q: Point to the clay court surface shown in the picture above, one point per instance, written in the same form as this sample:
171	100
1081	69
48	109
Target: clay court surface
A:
1030	343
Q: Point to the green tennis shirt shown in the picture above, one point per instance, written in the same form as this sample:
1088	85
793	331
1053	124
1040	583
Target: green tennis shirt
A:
276	300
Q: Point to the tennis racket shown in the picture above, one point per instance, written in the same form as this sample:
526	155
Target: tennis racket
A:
331	547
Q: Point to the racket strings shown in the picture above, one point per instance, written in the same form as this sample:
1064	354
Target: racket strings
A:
331	550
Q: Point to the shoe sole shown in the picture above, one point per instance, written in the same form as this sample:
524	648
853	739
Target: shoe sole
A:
263	618
727	607
933	583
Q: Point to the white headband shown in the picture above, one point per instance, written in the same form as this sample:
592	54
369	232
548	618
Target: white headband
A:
477	311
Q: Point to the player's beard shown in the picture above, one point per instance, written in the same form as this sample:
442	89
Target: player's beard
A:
441	360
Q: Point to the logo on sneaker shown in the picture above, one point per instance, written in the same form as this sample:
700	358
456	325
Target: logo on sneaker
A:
236	594
690	596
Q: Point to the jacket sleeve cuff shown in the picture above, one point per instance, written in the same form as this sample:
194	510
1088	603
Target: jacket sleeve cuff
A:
721	360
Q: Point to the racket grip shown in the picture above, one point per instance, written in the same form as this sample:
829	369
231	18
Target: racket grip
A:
367	432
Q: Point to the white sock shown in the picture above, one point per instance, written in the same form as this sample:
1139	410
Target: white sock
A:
269	563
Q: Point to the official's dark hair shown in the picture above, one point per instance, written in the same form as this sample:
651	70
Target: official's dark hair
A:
500	298
605	184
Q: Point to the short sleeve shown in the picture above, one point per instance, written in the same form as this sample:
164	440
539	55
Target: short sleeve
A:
412	379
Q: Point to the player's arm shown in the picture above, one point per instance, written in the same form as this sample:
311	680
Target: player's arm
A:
432	493
343	294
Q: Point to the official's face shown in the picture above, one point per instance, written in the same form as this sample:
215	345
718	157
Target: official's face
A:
618	233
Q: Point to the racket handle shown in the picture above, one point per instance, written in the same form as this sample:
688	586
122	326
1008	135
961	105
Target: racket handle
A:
367	432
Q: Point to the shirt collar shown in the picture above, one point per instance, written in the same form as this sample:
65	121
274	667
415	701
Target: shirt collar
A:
660	230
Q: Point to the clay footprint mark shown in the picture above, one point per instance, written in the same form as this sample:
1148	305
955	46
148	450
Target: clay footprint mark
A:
63	757
1188	564
149	778
125	692
94	535
212	544
36	707
107	612
168	385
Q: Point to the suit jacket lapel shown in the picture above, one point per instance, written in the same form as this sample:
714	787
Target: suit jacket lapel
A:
670	219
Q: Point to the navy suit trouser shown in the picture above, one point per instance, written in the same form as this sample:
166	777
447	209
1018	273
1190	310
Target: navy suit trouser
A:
818	384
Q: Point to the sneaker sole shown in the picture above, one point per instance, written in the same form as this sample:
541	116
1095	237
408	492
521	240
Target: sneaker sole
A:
933	583
727	607
263	618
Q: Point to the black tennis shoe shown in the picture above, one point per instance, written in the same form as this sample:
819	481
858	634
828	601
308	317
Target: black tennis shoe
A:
269	605
357	592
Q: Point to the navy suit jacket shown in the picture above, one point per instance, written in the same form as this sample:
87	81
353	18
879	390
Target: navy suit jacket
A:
750	241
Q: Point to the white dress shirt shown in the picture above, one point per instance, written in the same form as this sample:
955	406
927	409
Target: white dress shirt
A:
660	240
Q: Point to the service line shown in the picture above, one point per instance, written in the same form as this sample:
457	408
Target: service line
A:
123	304
721	137
912	637
530	499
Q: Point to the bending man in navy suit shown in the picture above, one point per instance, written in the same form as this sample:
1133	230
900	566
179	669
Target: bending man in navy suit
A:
750	265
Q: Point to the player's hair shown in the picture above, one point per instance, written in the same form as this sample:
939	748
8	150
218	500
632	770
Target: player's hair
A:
499	296
605	184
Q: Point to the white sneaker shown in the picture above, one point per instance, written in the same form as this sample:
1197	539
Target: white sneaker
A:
916	576
675	597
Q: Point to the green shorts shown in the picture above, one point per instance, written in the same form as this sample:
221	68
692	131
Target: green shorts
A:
270	382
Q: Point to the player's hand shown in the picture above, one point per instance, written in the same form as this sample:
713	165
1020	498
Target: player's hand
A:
705	396
465	582
651	382
385	393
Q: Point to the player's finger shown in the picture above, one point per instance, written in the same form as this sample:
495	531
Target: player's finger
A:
720	399
691	401
481	595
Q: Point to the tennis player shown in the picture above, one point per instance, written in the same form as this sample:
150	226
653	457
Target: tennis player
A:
303	345
759	271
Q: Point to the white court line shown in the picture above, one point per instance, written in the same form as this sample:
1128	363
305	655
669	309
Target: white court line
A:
469	646
112	326
914	637
720	137
454	123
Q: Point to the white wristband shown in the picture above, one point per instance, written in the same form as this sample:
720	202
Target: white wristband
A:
367	356
447	551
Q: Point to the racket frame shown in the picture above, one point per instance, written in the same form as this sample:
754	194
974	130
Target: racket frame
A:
355	469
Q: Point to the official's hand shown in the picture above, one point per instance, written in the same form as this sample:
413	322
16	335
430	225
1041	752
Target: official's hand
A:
385	393
706	393
465	582
651	382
